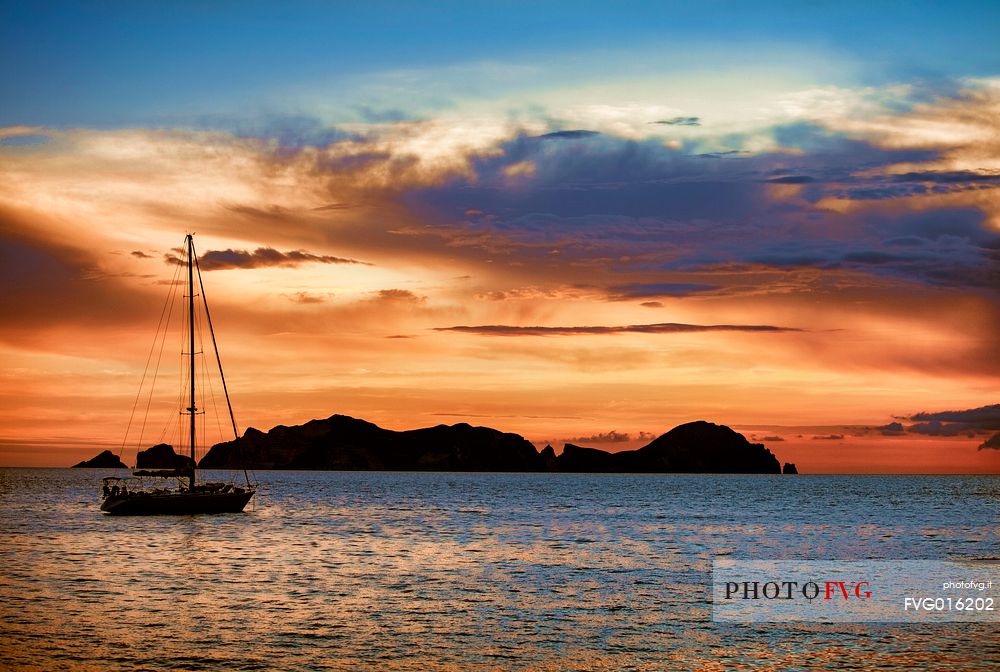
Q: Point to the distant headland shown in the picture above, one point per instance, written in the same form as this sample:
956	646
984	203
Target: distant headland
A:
341	442
103	460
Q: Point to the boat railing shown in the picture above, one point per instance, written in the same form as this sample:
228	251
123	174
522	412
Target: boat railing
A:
162	473
117	486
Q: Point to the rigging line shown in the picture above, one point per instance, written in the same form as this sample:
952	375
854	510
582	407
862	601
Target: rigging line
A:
215	346
167	435
199	373
166	303
180	379
215	408
218	357
185	376
164	438
163	432
180	418
167	425
145	371
207	382
156	371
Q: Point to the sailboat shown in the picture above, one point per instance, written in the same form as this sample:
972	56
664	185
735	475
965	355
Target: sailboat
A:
131	496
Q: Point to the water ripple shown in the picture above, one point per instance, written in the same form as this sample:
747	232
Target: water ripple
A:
428	571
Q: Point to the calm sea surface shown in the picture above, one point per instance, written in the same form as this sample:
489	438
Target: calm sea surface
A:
446	571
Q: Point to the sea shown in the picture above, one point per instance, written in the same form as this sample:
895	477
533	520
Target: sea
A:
471	571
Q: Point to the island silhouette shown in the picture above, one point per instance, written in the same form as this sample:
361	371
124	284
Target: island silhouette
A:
103	460
344	443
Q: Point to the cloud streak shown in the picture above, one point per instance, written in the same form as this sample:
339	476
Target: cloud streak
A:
968	422
987	417
612	436
262	257
680	121
659	328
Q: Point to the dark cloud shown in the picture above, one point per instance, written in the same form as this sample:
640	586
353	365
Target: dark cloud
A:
905	241
881	193
947	247
567	135
938	428
890	185
638	205
792	179
986	417
611	437
838	155
262	257
662	328
772	439
602	437
308	297
333	206
872	257
628	215
275	213
399	295
969	422
651	304
992	442
140	254
791	258
953	177
829	437
721	155
680	121
892	429
656	289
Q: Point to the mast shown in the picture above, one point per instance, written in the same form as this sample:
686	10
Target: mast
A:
191	409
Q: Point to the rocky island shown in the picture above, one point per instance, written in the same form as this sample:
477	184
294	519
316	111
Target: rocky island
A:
162	456
105	460
344	443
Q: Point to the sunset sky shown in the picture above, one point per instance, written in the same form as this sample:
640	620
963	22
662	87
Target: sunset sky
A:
583	222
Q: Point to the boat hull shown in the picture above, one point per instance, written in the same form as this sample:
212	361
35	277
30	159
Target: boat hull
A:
176	503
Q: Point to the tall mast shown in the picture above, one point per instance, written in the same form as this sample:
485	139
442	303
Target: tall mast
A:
190	242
